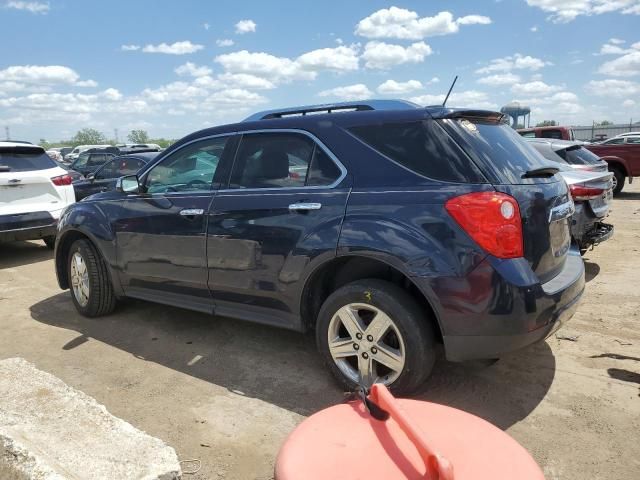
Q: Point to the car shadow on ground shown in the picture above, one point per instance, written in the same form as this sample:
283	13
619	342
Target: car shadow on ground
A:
591	270
283	368
15	254
628	196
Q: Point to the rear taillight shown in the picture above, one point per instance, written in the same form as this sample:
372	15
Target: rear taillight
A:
62	180
580	192
492	219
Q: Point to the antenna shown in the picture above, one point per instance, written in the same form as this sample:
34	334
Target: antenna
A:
449	92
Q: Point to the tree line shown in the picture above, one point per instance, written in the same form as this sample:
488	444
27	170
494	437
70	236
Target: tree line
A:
91	136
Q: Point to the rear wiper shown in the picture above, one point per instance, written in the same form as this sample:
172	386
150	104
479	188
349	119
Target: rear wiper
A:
541	172
5	168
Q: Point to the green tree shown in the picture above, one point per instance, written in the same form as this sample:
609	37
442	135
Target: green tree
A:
88	136
138	136
44	144
604	123
547	123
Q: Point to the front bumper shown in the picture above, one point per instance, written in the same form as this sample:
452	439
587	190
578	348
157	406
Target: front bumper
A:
27	226
501	307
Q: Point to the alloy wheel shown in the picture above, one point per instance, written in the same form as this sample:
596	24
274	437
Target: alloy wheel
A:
366	344
80	279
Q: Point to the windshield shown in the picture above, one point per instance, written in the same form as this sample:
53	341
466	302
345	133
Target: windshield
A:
579	156
24	160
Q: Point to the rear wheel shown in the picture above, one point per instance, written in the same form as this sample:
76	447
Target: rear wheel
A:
618	179
50	241
372	331
91	289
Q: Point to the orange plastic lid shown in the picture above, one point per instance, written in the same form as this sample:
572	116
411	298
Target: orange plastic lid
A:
420	440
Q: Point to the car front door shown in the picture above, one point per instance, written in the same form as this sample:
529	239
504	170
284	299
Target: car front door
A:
280	213
161	232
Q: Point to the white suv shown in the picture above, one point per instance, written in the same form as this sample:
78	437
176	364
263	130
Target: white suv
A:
33	192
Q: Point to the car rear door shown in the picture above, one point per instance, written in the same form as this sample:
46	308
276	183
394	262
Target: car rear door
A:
280	213
160	233
515	168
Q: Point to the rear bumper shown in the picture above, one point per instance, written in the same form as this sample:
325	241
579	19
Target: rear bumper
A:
27	226
500	307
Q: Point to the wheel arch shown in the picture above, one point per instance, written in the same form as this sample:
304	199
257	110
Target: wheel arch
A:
617	162
341	270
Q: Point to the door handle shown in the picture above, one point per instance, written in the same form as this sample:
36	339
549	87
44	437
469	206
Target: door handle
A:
304	206
191	212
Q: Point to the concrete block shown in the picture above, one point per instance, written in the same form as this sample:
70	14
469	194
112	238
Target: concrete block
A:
50	431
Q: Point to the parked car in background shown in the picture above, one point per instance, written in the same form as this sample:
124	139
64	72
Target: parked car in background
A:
64	151
104	178
33	193
572	153
622	140
136	147
623	159
629	134
89	160
54	154
591	187
559	133
71	156
409	227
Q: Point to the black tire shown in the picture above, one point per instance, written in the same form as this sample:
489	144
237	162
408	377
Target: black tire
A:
50	241
412	321
101	300
620	178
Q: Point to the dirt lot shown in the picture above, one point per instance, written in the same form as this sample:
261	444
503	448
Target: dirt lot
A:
228	393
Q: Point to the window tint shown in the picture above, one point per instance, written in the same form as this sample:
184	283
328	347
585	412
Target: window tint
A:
120	167
557	134
634	140
24	160
272	160
498	148
528	134
579	156
422	147
615	141
189	169
323	171
81	161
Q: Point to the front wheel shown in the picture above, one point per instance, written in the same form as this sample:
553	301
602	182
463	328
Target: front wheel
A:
91	289
372	331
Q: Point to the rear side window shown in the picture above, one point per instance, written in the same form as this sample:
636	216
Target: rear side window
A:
498	148
423	147
24	160
557	134
579	156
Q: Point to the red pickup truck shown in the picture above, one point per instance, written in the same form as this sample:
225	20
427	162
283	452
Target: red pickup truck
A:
623	160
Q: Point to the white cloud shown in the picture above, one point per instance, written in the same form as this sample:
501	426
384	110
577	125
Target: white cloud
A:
192	70
563	11
534	88
405	24
206	26
265	65
513	62
627	65
175	91
628	103
391	87
37	74
86	83
33	7
383	56
349	92
177	48
612	87
534	29
245	80
616	41
224	42
499	79
111	94
467	98
130	48
339	59
245	26
433	80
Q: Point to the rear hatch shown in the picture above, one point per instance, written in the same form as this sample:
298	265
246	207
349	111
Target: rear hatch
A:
515	168
593	188
582	159
25	181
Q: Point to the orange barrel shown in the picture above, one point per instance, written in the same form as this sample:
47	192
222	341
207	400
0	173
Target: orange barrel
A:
419	440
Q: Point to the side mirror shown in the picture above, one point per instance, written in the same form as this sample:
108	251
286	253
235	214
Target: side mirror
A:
91	177
128	184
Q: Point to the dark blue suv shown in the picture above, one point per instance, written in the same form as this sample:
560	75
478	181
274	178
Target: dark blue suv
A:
384	226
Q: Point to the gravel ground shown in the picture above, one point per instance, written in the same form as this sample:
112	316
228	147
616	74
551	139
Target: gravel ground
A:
228	393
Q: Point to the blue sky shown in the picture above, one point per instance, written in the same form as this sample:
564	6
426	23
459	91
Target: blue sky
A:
174	67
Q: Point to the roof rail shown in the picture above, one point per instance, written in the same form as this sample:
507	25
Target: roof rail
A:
332	107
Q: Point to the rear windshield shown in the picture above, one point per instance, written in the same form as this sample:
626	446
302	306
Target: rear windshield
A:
503	154
21	159
422	147
579	156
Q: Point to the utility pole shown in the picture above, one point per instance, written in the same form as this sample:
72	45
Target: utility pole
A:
115	131
6	131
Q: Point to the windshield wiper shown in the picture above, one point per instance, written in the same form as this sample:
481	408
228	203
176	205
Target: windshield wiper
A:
541	172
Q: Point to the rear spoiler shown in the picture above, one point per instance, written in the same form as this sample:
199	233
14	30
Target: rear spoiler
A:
471	114
33	149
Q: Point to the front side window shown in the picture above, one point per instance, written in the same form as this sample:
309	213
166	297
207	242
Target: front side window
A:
614	141
190	168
